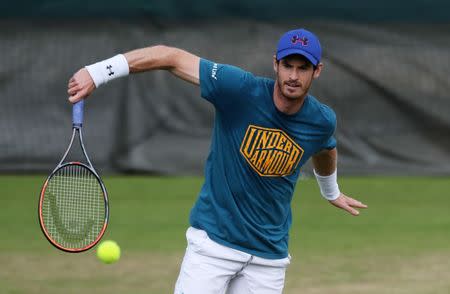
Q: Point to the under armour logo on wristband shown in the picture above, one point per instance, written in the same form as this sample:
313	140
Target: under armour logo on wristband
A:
110	71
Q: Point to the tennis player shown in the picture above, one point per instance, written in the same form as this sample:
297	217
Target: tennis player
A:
264	131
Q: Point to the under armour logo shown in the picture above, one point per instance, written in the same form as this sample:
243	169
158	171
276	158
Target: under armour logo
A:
296	39
110	70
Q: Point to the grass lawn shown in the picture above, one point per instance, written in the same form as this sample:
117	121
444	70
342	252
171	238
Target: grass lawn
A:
401	244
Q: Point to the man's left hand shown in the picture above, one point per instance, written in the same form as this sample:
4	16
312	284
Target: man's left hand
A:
347	203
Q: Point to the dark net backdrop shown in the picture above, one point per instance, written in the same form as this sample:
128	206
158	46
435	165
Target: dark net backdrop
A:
388	83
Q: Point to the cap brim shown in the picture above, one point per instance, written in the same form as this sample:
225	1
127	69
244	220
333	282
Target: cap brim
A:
282	54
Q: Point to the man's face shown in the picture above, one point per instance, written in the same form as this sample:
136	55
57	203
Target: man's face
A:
295	75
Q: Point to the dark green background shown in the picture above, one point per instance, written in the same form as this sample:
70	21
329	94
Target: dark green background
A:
351	10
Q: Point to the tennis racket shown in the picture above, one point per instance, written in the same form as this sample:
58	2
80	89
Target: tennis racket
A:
73	205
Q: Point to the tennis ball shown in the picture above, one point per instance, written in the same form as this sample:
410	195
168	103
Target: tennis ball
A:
108	251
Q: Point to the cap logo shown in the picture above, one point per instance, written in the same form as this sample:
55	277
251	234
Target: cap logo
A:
296	39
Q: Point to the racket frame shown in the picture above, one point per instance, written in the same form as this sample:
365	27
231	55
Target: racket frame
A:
75	130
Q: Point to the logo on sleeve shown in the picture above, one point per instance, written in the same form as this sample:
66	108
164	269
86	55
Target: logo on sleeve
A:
214	71
270	152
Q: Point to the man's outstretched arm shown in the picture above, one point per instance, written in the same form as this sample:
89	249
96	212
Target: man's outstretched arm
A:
325	163
179	62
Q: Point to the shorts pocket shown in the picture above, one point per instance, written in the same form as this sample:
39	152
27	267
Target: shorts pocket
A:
196	239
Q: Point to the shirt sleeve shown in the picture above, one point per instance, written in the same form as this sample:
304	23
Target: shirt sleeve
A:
330	141
223	84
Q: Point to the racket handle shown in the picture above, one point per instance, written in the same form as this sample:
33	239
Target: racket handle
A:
77	114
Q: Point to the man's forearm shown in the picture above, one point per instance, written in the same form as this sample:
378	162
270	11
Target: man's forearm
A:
179	62
326	175
325	162
151	58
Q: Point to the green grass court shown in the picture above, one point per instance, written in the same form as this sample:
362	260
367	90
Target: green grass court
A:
400	245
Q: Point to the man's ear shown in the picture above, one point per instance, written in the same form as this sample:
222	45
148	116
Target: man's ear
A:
318	70
275	64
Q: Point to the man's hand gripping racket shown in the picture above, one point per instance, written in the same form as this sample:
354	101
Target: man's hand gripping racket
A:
73	205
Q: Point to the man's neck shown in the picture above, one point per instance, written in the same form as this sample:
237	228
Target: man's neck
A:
286	105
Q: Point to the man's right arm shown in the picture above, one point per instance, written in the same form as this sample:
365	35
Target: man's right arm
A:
179	62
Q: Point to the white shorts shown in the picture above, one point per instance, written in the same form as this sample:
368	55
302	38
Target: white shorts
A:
211	268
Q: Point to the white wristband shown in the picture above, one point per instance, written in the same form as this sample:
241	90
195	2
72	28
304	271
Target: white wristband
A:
329	187
109	69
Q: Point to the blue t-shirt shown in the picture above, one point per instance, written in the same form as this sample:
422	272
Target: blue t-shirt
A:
255	159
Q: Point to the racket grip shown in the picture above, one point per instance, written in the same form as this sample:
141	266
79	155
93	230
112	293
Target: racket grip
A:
77	114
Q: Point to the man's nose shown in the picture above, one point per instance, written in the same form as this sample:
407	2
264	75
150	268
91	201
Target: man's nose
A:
293	75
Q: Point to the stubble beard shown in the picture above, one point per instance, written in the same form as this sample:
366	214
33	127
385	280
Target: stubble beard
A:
292	96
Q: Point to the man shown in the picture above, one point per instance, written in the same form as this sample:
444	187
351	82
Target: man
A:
264	131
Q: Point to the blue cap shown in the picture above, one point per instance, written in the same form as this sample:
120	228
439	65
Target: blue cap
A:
301	42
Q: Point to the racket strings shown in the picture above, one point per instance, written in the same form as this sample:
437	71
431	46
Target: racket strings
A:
74	207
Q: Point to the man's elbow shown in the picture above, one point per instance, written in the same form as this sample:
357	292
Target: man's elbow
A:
169	56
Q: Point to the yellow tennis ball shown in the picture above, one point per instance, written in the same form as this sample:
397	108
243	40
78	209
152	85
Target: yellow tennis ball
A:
108	251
